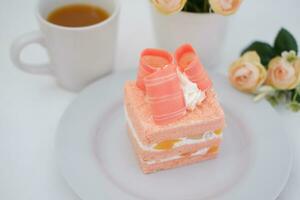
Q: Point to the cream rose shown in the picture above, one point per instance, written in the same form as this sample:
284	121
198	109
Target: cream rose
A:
284	71
169	6
225	7
247	73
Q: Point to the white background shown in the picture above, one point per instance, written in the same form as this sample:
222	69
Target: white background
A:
31	106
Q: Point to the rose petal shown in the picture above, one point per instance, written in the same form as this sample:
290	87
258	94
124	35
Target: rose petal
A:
225	7
283	74
246	74
169	6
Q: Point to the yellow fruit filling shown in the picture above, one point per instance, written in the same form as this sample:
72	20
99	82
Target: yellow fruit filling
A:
213	149
166	145
218	132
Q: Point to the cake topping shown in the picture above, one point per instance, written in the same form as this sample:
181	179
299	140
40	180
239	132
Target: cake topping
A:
151	61
188	62
170	88
165	95
193	96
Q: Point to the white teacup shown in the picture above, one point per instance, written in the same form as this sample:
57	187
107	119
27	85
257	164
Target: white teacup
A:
78	55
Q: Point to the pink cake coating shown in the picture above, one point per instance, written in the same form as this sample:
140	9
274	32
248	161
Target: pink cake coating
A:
207	117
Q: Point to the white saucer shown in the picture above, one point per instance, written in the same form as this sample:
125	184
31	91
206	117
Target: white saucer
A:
97	160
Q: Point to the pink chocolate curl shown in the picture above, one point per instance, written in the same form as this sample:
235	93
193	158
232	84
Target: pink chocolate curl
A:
152	60
165	95
189	63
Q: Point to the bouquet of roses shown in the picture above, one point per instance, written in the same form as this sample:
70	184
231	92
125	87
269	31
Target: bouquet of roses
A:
223	7
271	72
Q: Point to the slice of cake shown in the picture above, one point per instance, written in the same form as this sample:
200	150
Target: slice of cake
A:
172	112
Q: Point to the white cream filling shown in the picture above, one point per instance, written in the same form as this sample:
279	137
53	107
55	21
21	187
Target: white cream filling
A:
199	152
193	96
184	141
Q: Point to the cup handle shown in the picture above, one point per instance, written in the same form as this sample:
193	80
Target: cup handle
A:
19	44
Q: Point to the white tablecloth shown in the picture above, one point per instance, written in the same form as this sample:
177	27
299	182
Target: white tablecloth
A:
31	106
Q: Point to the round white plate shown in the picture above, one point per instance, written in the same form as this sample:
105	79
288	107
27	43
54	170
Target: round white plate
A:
96	158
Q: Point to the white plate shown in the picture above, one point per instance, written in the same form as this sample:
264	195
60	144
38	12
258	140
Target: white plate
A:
97	160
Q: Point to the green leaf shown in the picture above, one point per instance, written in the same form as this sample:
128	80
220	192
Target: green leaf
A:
272	100
298	90
283	96
285	41
195	6
295	94
264	50
294	103
294	106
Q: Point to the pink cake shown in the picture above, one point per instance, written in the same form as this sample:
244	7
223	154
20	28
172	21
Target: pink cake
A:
182	136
